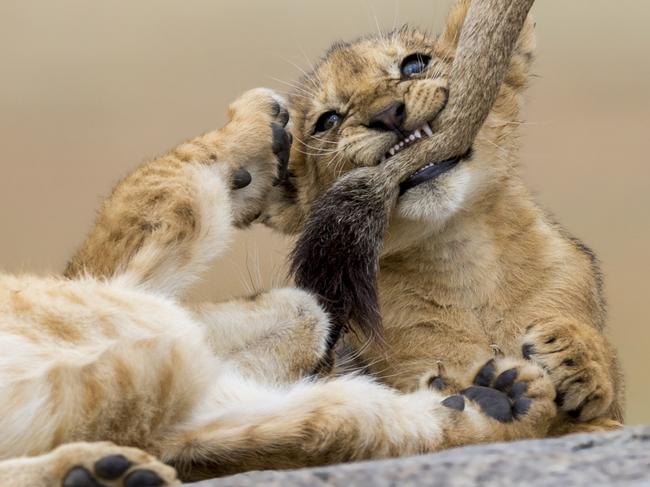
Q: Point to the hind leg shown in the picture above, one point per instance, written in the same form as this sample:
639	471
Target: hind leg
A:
88	465
275	337
346	419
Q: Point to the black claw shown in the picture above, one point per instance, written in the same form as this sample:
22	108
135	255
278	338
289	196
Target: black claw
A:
528	350
283	117
283	172
80	477
279	134
575	413
281	142
521	406
275	108
282	148
112	467
518	389
505	380
494	403
456	402
485	375
143	478
280	113
437	383
241	178
559	398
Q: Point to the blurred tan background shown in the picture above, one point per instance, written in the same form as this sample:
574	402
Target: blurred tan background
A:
90	89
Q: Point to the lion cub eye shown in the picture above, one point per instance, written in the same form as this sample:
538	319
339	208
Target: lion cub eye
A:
414	64
327	121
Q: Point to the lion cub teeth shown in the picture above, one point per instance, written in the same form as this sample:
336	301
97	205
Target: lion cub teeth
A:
408	140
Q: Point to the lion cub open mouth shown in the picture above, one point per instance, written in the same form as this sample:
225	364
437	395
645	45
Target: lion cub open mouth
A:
422	132
427	172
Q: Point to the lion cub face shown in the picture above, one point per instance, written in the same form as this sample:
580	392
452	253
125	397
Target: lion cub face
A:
369	99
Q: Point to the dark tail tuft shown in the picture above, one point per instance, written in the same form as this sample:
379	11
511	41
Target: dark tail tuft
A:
336	256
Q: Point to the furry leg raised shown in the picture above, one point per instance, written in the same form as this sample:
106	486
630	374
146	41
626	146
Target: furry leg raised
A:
168	219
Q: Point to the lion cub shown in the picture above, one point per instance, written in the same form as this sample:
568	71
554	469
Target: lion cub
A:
469	264
106	373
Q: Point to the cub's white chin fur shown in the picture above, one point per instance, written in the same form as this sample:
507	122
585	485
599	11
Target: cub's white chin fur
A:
439	199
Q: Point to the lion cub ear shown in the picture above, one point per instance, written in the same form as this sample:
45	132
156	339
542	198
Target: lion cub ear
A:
522	56
448	41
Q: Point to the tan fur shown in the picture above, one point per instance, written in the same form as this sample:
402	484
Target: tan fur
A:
470	263
110	352
49	469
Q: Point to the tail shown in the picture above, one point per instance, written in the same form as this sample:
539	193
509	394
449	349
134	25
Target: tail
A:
337	255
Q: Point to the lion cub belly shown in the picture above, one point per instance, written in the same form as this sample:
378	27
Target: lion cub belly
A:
91	355
422	335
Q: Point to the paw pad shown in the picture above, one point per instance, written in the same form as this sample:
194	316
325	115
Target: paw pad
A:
143	478
456	402
437	383
500	397
241	178
111	468
80	477
486	374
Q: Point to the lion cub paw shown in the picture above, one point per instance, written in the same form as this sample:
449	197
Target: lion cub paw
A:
105	464
439	380
256	146
517	394
576	358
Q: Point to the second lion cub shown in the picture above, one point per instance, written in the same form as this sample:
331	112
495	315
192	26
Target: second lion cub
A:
469	263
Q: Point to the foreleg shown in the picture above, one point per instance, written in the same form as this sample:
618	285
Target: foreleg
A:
582	365
168	219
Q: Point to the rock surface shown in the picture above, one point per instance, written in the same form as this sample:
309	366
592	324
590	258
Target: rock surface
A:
620	458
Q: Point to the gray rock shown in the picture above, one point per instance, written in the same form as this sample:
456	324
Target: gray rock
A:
619	458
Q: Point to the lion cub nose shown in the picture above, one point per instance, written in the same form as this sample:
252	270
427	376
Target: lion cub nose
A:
391	117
